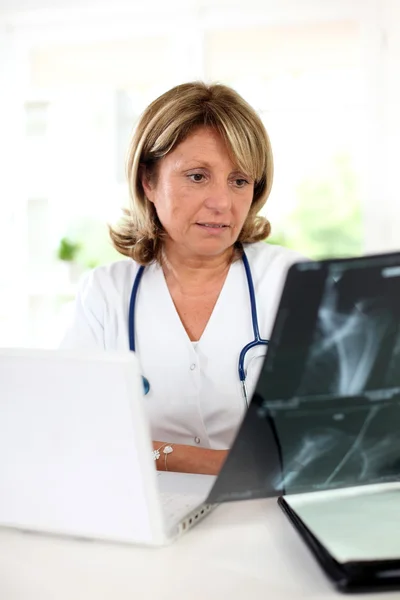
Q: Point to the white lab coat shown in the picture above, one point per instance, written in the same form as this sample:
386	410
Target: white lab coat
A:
195	395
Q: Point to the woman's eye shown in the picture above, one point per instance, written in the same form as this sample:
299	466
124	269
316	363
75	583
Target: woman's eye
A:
196	177
241	182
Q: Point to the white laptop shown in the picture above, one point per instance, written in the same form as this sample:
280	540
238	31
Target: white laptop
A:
75	452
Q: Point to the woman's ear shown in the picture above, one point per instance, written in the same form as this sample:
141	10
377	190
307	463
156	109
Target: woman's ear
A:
146	182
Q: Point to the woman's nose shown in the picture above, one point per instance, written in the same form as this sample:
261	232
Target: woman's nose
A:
219	197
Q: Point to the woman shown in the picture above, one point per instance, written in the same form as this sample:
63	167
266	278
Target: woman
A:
200	169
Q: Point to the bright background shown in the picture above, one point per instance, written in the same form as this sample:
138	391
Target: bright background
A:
75	76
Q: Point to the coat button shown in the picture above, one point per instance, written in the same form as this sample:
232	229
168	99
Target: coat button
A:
197	440
192	367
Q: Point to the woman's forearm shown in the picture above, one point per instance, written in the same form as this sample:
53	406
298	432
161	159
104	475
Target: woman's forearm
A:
190	459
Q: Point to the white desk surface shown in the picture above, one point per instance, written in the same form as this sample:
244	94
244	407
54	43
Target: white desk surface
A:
243	550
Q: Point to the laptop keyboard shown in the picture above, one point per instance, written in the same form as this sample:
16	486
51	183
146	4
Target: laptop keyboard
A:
176	506
182	497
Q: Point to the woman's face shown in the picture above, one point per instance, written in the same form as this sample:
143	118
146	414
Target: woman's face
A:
200	196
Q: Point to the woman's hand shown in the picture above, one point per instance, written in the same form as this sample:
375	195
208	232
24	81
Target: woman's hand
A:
190	459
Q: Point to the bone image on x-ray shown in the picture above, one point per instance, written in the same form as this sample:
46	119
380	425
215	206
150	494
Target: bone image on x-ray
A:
341	359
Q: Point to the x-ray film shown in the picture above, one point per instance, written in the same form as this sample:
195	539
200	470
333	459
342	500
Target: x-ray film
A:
326	410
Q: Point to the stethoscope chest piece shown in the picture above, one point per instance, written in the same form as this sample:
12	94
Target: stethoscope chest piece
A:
146	385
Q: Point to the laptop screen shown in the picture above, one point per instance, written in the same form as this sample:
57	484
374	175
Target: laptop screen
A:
326	410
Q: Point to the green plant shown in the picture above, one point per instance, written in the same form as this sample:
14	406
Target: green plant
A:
68	250
327	219
97	248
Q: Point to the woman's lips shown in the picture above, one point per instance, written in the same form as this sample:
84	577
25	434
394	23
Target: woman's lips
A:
213	228
206	224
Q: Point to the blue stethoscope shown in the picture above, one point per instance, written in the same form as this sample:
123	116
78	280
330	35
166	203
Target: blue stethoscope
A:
257	341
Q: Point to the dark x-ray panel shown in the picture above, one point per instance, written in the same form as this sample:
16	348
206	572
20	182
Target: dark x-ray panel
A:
328	397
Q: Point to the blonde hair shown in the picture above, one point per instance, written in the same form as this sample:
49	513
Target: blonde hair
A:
165	123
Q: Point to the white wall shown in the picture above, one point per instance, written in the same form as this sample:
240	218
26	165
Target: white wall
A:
382	65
